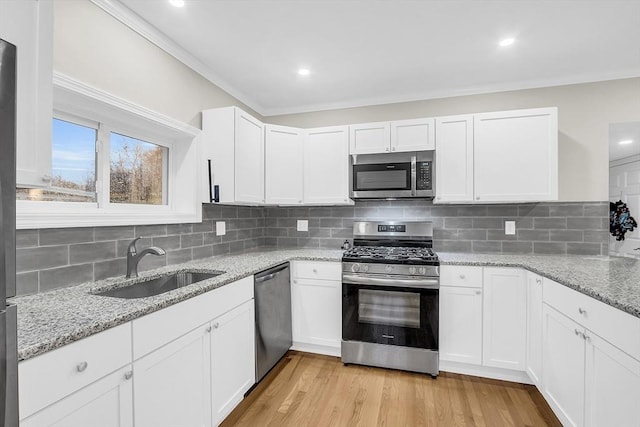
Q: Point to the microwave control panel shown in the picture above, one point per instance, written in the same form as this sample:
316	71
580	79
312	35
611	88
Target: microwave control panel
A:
423	178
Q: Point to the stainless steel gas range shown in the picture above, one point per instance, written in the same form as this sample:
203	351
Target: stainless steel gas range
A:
390	284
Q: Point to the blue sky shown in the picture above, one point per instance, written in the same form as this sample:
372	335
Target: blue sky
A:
74	151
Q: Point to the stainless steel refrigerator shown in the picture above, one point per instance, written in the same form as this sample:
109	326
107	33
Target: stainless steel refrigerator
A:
8	312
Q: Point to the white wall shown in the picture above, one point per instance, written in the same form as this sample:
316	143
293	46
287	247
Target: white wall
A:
585	112
95	48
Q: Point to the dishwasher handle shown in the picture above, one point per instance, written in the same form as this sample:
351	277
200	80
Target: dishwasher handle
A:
271	273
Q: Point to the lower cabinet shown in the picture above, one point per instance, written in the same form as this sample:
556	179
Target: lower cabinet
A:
534	328
106	402
461	324
172	385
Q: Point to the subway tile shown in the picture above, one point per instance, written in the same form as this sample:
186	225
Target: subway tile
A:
179	256
167	243
522	222
346	233
308	243
331	243
292	232
550	223
151	262
390	213
61	236
486	246
499	235
31	259
502	210
343	212
190	240
443	211
229	212
211	211
583	248
549	248
257	232
364	213
417	212
596	236
453	246
597	209
297	212
203	227
110	268
251	243
244	234
472	211
330	222
287	242
245	212
26	238
445	234
211	239
114	233
472	234
231	236
533	210
585	223
348	223
488	223
320	212
151	230
287	222
566	210
81	253
61	277
179	229
27	283
565	235
277	232
221	249
236	246
517	247
320	232
458	222
203	252
533	235
270	241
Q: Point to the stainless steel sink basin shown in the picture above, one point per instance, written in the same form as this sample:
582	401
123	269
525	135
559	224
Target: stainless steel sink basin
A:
159	285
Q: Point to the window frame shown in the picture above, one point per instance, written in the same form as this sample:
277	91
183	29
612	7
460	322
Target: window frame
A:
79	103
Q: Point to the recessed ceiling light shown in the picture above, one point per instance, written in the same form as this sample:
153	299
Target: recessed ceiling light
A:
625	141
176	3
304	71
507	42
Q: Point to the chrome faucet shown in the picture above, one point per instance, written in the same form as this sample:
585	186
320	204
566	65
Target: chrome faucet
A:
133	257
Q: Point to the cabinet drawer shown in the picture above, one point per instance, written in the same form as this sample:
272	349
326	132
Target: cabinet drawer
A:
159	328
48	378
459	275
321	270
619	328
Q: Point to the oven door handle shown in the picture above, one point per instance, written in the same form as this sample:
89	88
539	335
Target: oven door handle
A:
422	283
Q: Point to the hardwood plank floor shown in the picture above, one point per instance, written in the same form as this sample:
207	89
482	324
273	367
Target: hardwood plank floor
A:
312	390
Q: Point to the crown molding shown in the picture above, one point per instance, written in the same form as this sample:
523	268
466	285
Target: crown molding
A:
155	36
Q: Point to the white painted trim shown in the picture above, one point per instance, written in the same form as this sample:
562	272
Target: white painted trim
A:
485	372
624	160
316	349
151	33
63	81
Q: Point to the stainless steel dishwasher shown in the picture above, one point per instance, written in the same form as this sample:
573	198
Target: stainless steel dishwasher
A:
273	317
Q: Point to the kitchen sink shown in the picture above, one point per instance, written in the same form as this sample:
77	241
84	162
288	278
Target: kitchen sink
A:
159	285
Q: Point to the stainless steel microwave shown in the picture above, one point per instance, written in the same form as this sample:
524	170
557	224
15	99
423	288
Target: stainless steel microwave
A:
393	175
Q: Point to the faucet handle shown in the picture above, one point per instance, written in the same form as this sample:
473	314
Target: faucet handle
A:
132	246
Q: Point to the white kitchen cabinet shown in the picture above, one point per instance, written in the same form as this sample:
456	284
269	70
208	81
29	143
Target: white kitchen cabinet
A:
232	359
172	385
454	159
504	318
107	402
368	138
234	142
316	306
534	328
326	165
461	324
28	24
413	135
516	155
283	165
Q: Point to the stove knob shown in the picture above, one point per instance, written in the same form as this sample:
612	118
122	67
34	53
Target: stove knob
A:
388	269
355	268
422	270
412	270
365	268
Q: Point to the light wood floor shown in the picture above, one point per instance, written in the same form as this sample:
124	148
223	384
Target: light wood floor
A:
312	390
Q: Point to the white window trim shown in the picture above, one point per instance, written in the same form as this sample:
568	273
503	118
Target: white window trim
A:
76	99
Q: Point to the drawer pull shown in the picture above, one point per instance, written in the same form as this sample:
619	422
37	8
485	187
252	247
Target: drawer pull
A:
539	281
462	276
82	366
580	334
208	329
128	375
315	271
478	292
581	310
216	325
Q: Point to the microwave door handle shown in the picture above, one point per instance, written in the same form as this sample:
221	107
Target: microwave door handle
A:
413	175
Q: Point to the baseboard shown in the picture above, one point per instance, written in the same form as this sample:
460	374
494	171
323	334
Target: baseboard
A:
317	349
485	372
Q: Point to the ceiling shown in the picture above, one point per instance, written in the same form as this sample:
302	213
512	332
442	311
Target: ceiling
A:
381	51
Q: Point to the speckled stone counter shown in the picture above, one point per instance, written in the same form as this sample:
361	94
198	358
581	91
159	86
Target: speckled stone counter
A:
50	320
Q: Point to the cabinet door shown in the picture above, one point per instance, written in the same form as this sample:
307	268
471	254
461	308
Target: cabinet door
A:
413	135
369	138
107	402
249	158
563	367
534	328
612	385
232	359
283	165
454	159
172	385
326	165
461	324
28	24
516	155
504	318
316	312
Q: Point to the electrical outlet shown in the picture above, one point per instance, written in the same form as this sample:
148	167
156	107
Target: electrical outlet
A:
303	225
510	227
221	228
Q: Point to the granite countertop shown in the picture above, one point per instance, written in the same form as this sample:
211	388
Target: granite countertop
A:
50	320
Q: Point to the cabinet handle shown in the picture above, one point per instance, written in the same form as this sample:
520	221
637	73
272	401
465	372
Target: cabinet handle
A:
578	333
82	366
586	337
538	281
462	276
128	375
295	282
581	310
393	148
216	325
315	271
478	198
208	329
478	292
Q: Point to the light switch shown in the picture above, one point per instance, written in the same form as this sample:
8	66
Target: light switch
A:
303	225
221	228
510	227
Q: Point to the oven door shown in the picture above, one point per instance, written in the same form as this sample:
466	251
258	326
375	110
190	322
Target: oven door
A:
390	314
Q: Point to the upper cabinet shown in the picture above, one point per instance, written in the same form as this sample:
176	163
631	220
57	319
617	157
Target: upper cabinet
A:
283	165
28	24
396	136
234	143
508	156
326	165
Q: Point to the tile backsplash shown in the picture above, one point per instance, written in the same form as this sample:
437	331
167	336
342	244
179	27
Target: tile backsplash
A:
53	258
